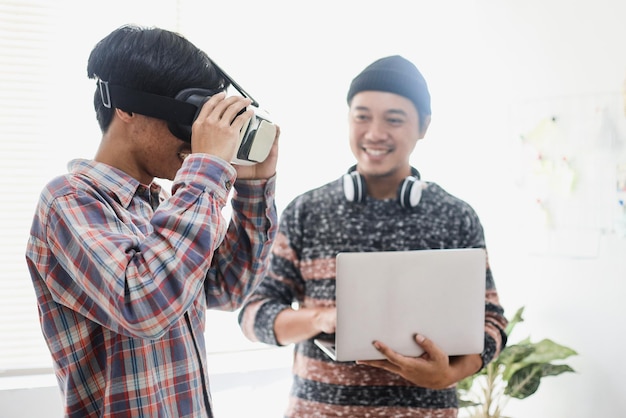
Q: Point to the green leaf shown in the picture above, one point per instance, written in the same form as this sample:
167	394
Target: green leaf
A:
465	403
515	353
517	356
515	320
547	351
555	369
525	381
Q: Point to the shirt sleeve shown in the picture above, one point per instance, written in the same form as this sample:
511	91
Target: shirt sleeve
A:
241	261
282	286
138	279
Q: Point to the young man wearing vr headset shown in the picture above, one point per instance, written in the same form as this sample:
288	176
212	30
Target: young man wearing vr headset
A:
123	271
379	205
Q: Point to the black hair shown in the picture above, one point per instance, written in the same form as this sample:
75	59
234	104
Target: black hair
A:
151	60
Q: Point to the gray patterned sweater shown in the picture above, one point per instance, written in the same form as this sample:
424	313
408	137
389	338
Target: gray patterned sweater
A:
316	226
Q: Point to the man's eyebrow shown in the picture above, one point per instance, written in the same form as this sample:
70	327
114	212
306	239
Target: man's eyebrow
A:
396	112
387	112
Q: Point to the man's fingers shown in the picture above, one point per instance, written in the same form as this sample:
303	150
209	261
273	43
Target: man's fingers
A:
391	355
430	348
422	341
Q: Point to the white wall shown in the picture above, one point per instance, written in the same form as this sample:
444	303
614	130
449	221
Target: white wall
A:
486	61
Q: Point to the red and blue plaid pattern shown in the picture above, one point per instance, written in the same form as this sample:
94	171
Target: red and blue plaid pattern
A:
123	274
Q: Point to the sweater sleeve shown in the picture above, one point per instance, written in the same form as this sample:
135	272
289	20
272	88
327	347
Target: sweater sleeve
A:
495	321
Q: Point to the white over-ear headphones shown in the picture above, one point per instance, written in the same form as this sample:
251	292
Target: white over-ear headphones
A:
409	192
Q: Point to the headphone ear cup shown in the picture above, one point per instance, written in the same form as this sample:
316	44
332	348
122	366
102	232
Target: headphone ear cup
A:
353	187
410	192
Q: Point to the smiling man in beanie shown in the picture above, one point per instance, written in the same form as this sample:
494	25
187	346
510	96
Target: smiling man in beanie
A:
380	204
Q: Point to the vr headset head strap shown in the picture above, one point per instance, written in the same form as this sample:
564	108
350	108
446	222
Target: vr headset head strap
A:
180	112
148	104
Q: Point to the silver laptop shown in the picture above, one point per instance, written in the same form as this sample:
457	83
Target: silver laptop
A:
390	296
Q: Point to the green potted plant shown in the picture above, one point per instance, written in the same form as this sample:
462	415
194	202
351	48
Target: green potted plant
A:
516	373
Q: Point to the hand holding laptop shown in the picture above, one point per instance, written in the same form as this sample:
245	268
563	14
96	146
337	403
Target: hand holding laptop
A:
327	320
434	369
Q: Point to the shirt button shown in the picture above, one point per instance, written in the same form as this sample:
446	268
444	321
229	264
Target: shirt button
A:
228	185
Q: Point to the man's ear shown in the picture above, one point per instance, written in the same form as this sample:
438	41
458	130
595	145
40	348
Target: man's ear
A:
424	127
124	115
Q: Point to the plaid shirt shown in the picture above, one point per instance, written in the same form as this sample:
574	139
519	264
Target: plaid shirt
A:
123	275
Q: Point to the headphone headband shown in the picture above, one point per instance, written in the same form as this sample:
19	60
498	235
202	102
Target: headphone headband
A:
409	193
414	171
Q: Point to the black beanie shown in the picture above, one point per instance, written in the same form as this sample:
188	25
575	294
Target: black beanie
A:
394	74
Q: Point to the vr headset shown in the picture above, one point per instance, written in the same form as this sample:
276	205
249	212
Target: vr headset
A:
255	140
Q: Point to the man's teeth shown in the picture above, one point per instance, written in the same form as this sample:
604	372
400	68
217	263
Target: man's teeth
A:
375	151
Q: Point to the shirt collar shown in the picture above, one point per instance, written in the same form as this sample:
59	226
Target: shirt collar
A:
111	180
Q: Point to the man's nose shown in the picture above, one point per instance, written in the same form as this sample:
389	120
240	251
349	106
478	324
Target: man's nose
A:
377	131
